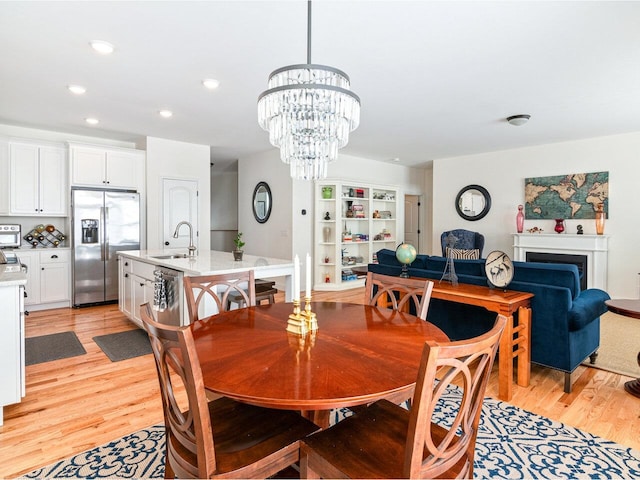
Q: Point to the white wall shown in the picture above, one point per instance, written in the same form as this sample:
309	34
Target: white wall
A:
273	238
224	210
502	174
177	160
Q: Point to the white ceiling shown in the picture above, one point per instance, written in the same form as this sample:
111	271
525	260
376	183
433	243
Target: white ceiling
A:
436	79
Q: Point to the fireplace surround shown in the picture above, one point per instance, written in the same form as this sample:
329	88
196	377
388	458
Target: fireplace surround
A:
594	247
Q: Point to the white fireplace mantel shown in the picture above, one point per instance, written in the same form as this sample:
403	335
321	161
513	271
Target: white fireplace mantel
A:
594	247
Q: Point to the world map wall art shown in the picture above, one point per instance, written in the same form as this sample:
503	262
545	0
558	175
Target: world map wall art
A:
574	196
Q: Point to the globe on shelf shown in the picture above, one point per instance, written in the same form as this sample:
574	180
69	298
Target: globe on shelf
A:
406	254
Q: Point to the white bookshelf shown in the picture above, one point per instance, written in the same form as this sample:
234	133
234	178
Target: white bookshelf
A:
352	234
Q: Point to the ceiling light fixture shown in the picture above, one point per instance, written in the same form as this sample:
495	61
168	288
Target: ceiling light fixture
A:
77	89
100	46
518	120
166	113
308	111
211	83
92	121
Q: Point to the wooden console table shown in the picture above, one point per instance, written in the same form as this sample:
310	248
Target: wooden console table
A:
627	308
515	341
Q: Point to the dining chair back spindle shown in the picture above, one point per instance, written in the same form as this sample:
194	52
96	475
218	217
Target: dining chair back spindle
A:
221	438
399	293
206	292
387	441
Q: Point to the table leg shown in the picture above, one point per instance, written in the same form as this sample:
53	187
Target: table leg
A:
524	356
505	361
633	386
319	417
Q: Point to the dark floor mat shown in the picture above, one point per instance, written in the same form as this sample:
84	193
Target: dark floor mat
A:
47	348
124	345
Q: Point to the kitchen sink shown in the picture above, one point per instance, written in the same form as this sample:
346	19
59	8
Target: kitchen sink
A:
169	257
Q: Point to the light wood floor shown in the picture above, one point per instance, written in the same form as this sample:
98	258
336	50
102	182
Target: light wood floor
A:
78	403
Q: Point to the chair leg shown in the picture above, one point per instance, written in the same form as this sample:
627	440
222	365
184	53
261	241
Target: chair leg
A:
592	357
305	472
567	382
168	471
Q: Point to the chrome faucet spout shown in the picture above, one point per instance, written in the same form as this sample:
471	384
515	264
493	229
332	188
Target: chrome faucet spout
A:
191	248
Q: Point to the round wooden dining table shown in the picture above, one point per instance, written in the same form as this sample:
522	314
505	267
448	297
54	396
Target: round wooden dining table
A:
358	355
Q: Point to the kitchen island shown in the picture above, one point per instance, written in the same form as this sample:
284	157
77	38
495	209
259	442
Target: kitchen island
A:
12	354
139	271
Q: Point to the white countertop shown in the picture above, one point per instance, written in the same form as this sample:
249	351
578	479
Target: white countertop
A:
12	278
210	262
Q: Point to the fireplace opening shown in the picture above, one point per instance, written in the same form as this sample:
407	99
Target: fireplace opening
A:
578	260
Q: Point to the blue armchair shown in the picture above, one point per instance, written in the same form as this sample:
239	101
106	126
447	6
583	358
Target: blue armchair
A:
467	240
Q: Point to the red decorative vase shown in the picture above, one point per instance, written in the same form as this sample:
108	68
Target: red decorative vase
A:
520	219
559	228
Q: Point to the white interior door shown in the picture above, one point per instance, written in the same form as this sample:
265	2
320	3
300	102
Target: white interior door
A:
179	204
412	220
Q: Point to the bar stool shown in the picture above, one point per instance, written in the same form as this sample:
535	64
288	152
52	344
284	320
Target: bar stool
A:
265	290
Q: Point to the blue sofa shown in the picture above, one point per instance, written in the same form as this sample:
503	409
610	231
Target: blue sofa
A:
565	323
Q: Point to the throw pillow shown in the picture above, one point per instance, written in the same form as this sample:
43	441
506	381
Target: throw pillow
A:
459	253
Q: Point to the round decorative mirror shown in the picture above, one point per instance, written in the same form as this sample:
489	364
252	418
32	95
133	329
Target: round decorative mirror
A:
262	202
473	202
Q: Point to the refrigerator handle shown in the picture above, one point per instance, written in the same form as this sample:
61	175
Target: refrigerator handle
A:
105	216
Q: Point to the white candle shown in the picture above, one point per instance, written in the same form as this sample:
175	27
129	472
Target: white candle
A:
308	278
296	278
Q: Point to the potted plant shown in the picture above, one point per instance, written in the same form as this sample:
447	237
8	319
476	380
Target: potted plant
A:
237	253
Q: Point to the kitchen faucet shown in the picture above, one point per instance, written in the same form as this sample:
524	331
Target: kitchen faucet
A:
192	248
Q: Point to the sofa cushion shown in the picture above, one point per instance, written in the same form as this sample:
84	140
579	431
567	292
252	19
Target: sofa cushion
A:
559	275
463	267
461	253
388	257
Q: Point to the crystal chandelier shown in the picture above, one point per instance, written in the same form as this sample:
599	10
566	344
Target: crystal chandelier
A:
308	111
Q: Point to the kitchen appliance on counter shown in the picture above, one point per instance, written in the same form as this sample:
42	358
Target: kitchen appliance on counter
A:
10	235
9	262
103	222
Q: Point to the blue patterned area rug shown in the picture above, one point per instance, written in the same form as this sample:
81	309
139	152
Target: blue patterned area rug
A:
511	443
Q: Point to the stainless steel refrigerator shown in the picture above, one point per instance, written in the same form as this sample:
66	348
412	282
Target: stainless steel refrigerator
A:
104	222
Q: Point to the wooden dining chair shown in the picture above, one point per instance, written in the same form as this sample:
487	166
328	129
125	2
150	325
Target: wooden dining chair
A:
207	291
386	441
221	438
399	293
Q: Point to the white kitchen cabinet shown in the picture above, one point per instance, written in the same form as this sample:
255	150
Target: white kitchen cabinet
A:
38	180
48	278
136	287
125	293
54	276
352	222
4	177
12	373
94	166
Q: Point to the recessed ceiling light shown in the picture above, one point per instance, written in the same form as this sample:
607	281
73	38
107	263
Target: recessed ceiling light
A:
166	113
102	47
211	83
396	159
77	89
518	120
92	121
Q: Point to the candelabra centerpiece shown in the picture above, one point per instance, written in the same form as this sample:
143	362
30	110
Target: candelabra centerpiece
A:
300	321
